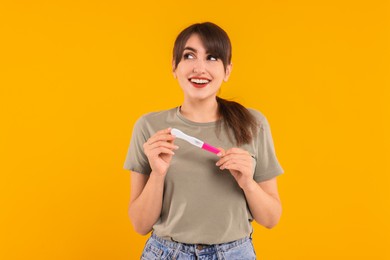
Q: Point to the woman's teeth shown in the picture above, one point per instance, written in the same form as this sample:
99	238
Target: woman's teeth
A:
200	81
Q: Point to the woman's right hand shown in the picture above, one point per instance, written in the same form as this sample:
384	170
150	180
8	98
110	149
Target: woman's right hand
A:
159	150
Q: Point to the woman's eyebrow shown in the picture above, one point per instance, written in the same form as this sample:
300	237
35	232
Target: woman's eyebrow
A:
190	48
193	50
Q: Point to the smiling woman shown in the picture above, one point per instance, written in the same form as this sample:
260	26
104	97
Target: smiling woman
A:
200	205
201	70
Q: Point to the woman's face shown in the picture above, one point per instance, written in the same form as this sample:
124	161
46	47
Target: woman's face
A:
200	74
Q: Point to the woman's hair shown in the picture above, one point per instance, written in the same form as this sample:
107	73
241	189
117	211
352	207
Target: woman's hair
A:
213	37
216	41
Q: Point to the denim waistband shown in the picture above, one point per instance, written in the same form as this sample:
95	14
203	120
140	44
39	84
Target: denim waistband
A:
191	248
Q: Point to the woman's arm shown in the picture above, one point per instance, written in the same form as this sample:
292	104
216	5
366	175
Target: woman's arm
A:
147	190
145	201
264	202
263	198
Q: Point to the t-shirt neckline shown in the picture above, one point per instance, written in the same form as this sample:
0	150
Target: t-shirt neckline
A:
186	120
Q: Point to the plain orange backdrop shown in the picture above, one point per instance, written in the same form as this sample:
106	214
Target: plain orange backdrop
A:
75	75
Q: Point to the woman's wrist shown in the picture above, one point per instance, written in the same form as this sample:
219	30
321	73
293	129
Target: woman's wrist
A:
249	185
156	175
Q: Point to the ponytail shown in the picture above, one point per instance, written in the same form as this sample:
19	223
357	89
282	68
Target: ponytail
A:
238	119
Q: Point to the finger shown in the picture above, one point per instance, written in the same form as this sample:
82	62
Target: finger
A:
227	164
162	144
238	167
229	157
164	131
235	150
236	155
221	151
156	151
160	137
160	150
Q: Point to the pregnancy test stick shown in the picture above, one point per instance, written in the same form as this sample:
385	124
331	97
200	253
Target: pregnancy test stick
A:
194	141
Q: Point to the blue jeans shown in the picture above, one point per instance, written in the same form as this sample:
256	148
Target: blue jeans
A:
158	248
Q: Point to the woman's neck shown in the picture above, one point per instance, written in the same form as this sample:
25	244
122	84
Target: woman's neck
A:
200	111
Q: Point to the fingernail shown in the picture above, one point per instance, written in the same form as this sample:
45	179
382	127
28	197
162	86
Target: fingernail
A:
219	154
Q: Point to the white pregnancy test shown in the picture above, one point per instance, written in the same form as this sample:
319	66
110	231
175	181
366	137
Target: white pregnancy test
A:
194	141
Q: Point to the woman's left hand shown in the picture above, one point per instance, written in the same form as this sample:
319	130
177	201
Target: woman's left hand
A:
240	164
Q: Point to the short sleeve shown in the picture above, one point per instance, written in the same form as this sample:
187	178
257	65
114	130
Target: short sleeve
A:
136	160
267	164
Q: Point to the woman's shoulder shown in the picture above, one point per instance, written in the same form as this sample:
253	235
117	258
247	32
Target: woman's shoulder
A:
156	118
260	117
155	115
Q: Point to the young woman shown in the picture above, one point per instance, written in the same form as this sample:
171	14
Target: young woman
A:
200	205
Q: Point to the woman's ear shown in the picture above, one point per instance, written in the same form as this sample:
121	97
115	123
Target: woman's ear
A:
228	71
174	69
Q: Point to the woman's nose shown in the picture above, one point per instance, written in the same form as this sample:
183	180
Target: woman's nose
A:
199	66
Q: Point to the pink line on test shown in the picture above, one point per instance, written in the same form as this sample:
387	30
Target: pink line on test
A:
210	148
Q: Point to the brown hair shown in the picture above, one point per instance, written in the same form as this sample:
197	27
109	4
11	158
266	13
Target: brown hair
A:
216	41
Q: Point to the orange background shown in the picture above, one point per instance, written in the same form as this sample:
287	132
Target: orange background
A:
75	75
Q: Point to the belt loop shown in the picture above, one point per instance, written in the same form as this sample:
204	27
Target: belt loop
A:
177	250
218	252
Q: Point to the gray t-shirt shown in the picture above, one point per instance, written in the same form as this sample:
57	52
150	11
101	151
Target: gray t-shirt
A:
201	203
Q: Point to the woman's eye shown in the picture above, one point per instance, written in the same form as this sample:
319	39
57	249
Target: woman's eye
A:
188	56
211	57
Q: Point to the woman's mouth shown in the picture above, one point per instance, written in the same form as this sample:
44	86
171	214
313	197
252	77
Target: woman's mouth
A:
199	82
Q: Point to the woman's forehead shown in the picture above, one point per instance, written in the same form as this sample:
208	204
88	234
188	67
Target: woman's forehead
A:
196	44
